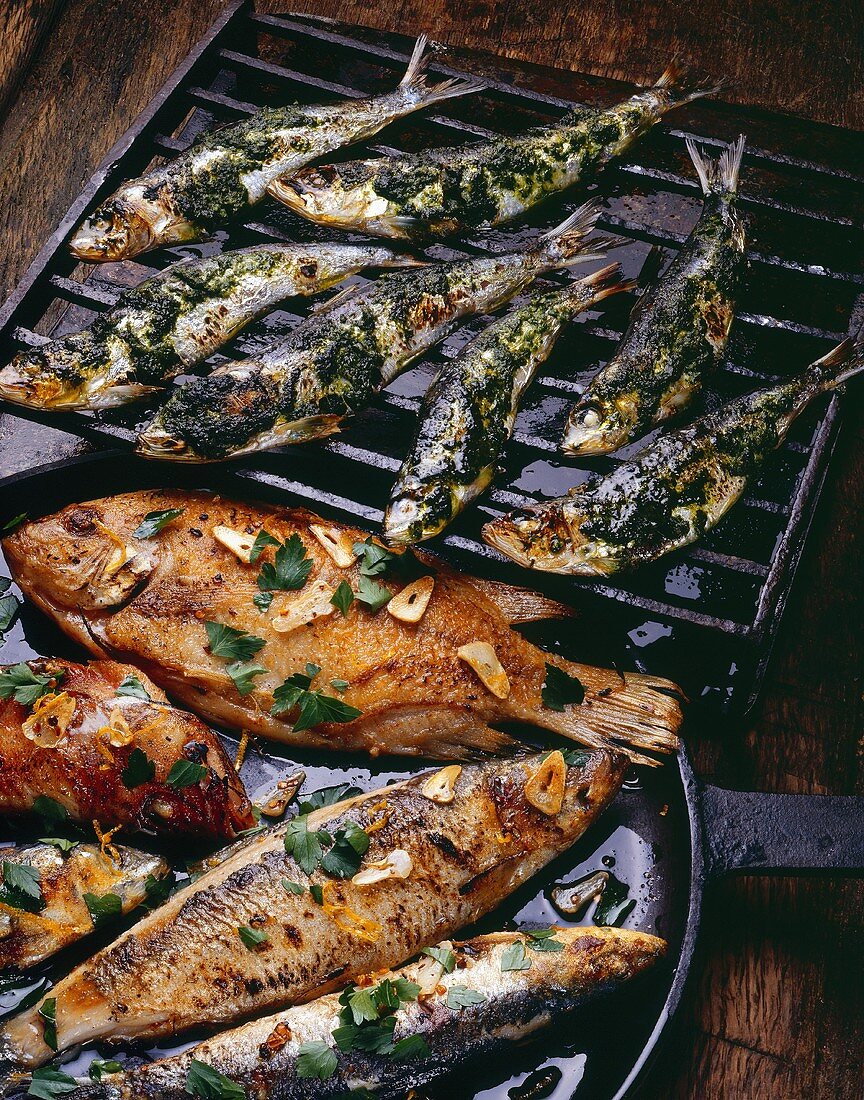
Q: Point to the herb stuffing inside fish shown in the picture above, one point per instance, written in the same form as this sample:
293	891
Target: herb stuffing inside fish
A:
101	741
228	170
672	492
175	320
396	1031
440	191
332	364
337	893
312	633
469	411
56	892
678	329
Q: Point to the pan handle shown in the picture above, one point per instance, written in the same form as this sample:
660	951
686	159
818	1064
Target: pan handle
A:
747	832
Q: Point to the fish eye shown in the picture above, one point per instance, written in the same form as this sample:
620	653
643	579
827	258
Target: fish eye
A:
590	416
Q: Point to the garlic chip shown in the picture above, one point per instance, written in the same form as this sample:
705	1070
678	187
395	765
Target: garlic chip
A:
441	787
238	542
409	605
545	789
337	543
396	864
117	731
306	608
482	657
46	726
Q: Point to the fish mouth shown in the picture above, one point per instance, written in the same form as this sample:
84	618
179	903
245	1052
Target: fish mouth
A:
32	390
404	522
116	231
544	541
294	195
155	442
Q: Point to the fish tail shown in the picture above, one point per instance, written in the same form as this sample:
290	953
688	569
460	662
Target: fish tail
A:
565	243
416	77
840	364
720	176
679	85
607	281
622	712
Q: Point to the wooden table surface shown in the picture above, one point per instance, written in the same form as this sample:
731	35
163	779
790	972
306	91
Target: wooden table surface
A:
777	1009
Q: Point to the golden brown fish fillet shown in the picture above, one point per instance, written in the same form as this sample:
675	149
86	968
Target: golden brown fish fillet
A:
74	746
415	694
467	837
63	916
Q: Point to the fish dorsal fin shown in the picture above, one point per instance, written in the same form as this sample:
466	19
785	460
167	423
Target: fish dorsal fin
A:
338	299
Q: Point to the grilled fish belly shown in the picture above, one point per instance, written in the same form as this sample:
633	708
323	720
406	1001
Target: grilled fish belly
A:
417	688
465	838
75	746
60	915
477	1009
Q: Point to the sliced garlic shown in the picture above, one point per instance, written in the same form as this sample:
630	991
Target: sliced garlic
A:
441	787
545	789
396	864
304	609
238	542
482	657
46	726
428	972
409	605
117	730
337	544
122	552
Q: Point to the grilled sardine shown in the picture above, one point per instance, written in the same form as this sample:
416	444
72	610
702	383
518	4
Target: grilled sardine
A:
227	171
333	363
100	741
426	674
440	191
678	329
473	1005
469	411
674	490
55	912
402	867
175	320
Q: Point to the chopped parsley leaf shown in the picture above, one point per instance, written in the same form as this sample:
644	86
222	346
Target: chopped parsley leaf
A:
60	842
343	597
350	844
185	773
373	560
48	1015
314	707
262	600
25	686
103	907
514	957
251	937
243	673
99	1067
131	685
442	955
21	887
139	769
209	1084
230	643
460	996
48	1083
373	594
560	688
293	887
290	569
543	939
262	540
316	1059
154	522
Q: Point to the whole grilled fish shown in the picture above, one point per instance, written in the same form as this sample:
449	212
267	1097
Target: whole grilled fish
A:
33	928
477	1009
175	320
100	741
674	490
469	410
440	191
443	849
227	171
678	329
399	666
332	364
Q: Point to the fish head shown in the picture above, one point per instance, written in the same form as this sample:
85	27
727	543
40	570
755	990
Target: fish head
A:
549	537
29	380
598	427
323	195
116	230
80	558
418	510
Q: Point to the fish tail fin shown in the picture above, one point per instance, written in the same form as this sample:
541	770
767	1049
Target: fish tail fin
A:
720	176
607	281
416	77
840	364
565	244
402	259
678	85
622	712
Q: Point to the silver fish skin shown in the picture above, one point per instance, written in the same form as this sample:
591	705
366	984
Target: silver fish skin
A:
262	1056
332	364
175	320
466	836
679	328
675	489
228	170
27	936
469	410
475	186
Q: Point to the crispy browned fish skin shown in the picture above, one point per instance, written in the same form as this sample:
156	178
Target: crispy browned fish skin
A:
83	771
27	938
185	964
262	1056
415	694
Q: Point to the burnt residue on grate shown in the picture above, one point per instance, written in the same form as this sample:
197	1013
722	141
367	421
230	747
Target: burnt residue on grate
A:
713	609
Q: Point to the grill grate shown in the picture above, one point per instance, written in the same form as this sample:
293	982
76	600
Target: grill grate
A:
806	241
